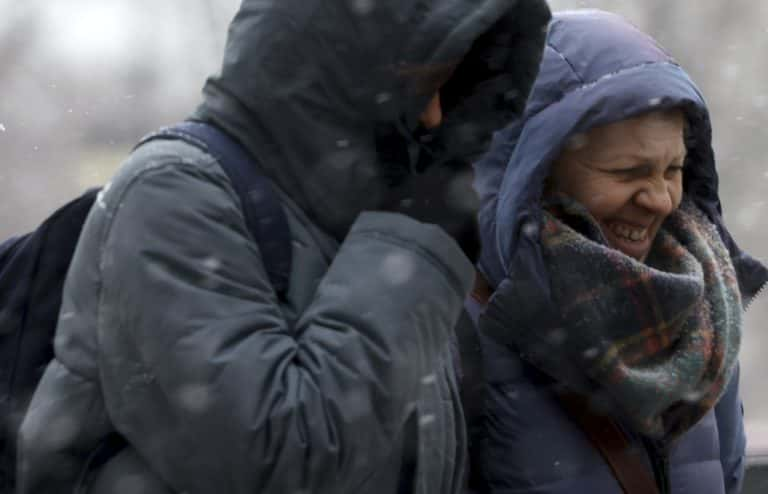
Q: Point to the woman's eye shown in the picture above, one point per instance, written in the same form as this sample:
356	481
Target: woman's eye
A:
637	171
674	170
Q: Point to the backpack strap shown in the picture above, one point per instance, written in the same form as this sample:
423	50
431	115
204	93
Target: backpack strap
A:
603	432
627	465
263	211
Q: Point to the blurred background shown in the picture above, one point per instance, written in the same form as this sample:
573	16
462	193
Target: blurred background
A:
82	80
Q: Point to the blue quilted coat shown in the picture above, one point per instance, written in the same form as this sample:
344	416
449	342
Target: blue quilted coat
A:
596	69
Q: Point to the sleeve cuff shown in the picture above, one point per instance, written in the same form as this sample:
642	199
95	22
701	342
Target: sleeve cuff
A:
427	240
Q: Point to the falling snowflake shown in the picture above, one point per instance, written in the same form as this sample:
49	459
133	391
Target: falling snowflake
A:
591	353
749	216
654	101
382	98
731	71
428	379
693	396
195	397
2	128
398	268
426	420
460	195
212	264
531	229
363	7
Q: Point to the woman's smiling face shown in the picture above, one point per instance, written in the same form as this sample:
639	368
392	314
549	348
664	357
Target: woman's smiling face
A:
629	175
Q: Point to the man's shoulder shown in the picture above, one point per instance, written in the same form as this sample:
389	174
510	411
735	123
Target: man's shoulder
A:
176	167
164	157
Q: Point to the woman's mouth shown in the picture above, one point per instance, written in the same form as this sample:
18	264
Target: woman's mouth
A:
628	232
630	239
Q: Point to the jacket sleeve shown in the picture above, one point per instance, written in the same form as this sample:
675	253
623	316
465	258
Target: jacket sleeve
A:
203	375
729	414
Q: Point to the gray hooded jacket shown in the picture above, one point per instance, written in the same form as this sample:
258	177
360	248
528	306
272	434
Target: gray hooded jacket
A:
170	335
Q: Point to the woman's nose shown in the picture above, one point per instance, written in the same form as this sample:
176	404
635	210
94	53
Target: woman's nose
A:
656	197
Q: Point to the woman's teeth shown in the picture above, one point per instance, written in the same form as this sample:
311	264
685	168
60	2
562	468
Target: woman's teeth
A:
633	234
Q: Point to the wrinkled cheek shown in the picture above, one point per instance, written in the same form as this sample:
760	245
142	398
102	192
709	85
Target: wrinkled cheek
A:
600	194
677	196
598	200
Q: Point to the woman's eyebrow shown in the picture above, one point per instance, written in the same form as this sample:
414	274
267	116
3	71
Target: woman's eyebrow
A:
639	159
640	167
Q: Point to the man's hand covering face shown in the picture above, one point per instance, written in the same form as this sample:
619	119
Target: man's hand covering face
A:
487	90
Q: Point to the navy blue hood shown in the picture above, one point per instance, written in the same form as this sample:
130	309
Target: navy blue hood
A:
596	69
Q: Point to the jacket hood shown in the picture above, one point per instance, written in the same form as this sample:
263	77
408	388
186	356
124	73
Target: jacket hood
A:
596	69
305	86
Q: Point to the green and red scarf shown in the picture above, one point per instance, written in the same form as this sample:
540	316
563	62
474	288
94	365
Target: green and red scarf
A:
656	341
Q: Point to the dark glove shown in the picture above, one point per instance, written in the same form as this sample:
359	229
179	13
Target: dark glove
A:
490	86
444	196
430	171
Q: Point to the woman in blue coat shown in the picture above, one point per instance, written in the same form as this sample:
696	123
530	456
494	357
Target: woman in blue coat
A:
616	289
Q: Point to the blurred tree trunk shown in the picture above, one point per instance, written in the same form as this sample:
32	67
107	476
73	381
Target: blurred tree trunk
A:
16	38
217	24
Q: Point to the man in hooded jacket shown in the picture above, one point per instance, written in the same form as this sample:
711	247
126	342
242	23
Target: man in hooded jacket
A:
171	336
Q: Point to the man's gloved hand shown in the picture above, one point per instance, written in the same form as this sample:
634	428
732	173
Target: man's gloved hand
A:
430	171
444	196
490	87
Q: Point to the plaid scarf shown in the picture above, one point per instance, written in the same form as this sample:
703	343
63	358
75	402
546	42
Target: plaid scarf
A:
655	343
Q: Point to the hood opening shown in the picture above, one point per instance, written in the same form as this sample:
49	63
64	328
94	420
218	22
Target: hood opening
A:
310	87
510	177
